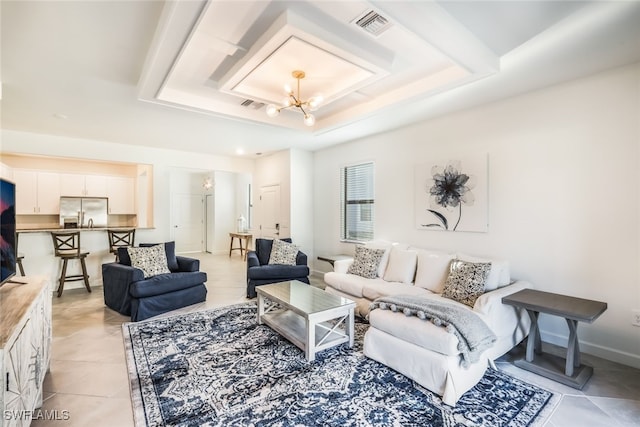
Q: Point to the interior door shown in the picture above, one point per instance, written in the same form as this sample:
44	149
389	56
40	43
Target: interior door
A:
187	222
270	211
210	223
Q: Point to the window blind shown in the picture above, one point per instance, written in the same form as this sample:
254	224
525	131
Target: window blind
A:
357	202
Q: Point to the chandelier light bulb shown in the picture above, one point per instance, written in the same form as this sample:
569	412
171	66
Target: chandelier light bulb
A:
272	110
309	119
286	102
287	88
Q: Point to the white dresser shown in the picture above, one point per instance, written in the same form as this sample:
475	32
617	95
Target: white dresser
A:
25	344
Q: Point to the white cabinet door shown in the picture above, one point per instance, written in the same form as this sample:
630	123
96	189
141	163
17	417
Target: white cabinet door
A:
77	185
37	192
95	186
71	185
26	191
121	194
48	193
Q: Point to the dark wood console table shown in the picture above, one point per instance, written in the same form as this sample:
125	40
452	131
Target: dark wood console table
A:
574	310
331	259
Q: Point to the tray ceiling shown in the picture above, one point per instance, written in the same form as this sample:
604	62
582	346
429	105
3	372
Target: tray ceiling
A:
238	56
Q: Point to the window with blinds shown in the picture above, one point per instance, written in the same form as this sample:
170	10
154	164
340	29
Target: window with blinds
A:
357	198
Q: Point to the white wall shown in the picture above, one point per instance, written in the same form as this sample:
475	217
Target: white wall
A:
302	215
38	248
563	195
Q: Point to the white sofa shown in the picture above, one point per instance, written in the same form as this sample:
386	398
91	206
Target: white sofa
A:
419	349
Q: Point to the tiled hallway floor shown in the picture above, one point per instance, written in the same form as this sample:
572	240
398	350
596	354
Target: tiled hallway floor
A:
88	375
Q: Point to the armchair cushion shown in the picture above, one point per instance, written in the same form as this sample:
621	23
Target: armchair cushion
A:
263	249
165	283
275	271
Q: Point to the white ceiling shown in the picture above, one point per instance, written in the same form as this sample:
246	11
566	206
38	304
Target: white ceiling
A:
174	75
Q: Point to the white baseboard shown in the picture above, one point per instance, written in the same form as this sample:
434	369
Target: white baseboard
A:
614	355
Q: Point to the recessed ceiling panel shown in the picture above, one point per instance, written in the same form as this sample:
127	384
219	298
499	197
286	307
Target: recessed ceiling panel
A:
326	74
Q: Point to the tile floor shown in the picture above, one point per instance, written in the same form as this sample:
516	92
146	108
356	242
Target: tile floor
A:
88	372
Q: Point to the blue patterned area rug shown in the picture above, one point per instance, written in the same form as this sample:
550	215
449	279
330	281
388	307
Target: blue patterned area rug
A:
220	368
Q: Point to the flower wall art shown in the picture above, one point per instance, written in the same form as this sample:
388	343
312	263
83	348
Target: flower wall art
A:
452	195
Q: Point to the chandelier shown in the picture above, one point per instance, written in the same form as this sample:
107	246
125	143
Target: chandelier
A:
294	100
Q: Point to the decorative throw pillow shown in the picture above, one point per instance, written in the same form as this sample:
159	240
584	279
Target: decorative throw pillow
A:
466	281
433	269
151	260
283	253
401	267
366	262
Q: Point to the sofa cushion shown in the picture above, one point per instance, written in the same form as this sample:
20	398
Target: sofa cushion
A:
380	288
283	253
366	262
422	333
165	283
401	266
498	276
466	281
350	284
432	270
276	271
151	260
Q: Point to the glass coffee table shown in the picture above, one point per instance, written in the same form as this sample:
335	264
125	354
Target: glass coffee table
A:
310	318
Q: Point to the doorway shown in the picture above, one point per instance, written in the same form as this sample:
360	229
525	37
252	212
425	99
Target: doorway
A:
270	211
187	225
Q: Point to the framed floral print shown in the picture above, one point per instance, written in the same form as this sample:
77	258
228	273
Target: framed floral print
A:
452	195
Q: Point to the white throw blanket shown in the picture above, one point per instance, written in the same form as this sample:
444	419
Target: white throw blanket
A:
474	336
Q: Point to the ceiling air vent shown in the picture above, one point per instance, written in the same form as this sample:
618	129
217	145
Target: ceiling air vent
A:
252	104
373	23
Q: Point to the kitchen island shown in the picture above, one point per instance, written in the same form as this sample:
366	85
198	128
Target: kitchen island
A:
36	245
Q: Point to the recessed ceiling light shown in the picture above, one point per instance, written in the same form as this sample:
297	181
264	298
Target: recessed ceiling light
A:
239	151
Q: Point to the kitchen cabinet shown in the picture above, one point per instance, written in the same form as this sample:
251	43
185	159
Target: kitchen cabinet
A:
37	192
25	342
121	194
78	185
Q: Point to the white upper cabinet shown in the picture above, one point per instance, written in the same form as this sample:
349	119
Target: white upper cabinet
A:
37	192
77	185
121	193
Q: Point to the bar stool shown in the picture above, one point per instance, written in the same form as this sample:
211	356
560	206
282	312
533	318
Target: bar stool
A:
120	239
67	246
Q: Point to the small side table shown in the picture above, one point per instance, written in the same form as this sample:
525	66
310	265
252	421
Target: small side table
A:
331	259
574	310
247	237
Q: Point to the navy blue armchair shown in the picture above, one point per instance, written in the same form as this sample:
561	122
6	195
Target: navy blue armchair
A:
128	292
260	272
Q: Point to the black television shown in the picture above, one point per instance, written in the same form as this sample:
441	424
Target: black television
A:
7	230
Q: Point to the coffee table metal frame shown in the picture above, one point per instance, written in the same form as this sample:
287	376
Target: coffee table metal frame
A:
310	318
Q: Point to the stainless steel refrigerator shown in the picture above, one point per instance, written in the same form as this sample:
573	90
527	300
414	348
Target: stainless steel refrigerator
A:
83	212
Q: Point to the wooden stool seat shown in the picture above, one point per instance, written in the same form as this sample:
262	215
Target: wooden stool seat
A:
67	246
